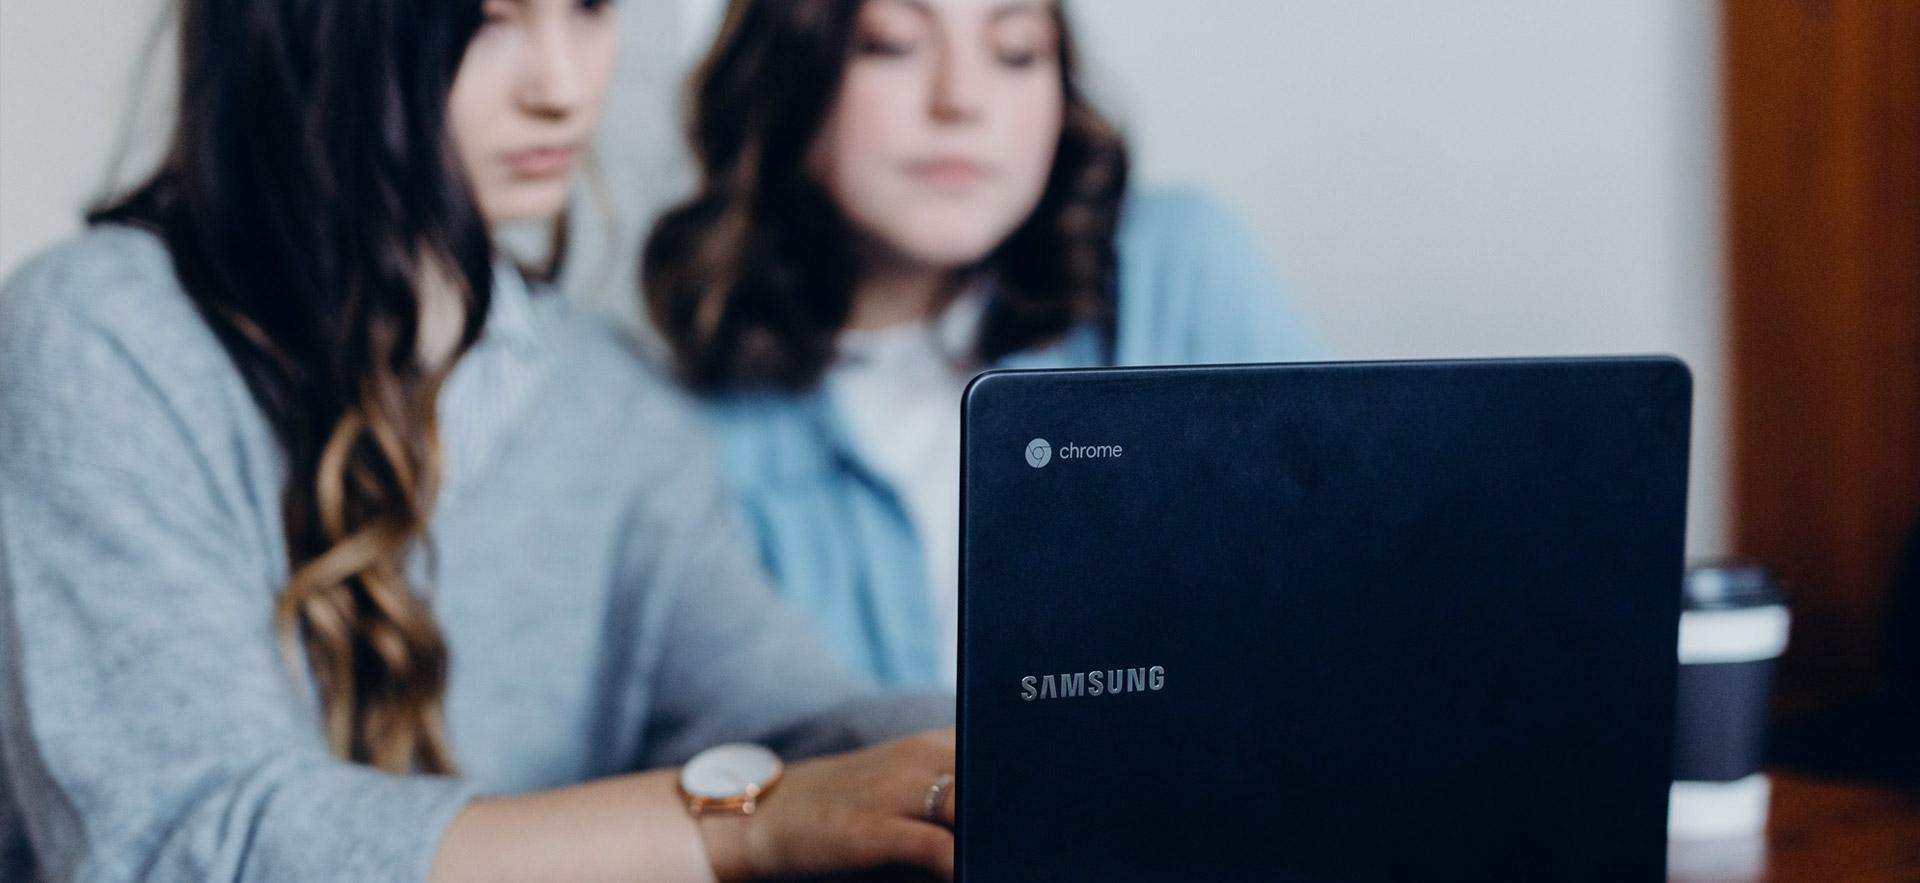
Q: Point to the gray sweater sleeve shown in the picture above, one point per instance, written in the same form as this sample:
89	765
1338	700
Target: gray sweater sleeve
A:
733	661
736	663
148	727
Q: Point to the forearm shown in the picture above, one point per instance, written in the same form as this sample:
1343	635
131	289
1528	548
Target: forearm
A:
626	828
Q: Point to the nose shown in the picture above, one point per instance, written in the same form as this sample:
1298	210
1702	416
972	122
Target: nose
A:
959	83
551	84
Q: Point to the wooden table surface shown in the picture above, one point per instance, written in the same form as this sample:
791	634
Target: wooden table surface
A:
1818	830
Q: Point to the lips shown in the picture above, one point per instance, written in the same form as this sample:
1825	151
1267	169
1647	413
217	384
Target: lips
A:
541	162
948	173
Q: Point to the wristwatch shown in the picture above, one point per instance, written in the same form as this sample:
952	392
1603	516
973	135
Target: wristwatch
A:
729	779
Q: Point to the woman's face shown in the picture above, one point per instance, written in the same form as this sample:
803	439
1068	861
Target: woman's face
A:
939	144
526	99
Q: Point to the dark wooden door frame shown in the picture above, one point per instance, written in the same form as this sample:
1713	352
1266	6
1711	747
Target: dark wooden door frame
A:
1823	235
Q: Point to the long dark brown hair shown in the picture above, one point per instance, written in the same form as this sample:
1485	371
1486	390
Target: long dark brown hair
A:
751	279
309	191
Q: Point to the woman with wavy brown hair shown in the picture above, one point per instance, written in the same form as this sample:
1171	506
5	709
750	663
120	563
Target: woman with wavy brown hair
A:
893	196
324	550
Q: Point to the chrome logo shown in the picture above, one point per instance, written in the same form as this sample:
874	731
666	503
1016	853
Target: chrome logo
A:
1039	453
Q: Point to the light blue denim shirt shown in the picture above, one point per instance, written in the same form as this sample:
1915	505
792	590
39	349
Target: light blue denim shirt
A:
836	536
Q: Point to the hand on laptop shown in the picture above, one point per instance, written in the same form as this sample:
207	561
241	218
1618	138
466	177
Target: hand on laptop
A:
887	806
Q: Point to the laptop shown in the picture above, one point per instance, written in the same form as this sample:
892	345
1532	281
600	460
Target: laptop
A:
1356	621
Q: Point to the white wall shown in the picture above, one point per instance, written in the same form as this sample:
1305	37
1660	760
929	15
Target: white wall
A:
1480	177
71	74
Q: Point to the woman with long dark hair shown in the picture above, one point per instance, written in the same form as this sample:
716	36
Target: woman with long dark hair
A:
895	195
325	552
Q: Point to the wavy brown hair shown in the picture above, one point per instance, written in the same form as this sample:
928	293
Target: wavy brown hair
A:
750	280
309	193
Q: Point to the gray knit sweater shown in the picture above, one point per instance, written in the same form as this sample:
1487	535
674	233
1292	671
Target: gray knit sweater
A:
601	608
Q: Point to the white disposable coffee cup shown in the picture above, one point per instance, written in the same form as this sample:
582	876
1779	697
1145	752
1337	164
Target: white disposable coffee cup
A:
1733	627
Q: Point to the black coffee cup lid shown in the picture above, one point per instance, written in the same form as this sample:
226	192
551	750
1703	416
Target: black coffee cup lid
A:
1719	585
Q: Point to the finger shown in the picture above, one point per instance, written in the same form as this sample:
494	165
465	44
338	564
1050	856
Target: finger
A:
939	748
925	804
950	805
918	844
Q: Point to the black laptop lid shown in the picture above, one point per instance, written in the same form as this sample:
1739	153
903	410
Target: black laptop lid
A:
1320	622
